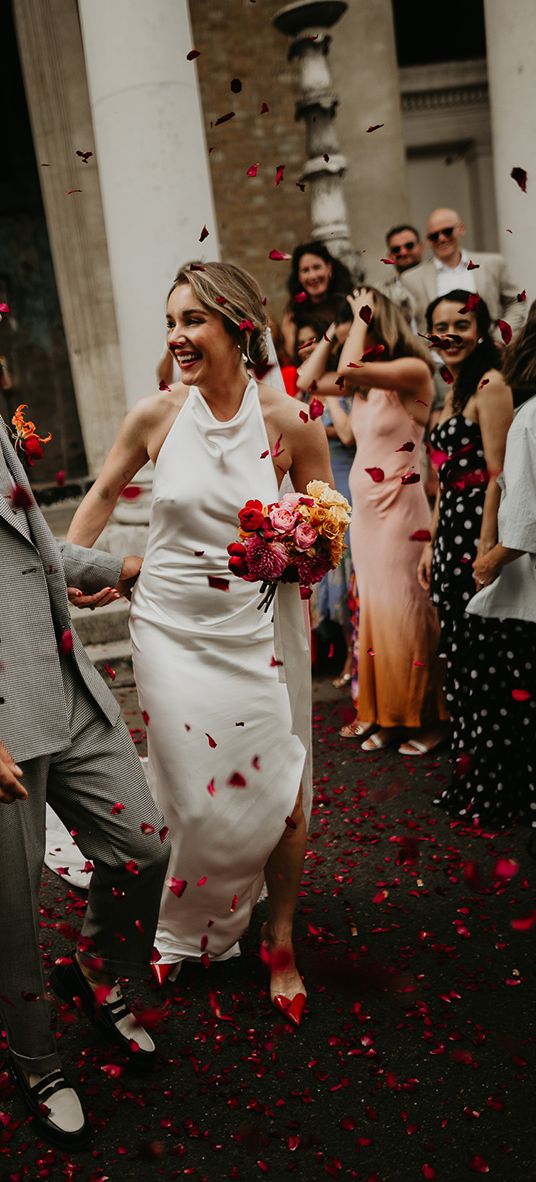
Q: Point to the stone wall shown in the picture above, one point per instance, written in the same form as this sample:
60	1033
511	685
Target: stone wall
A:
236	41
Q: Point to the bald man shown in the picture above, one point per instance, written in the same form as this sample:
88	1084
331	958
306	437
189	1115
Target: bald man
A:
452	267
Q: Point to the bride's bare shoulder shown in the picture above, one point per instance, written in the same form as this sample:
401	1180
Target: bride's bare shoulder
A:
156	409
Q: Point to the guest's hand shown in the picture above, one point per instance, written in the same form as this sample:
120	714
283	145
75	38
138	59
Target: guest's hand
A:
486	568
99	599
361	298
424	569
129	573
11	787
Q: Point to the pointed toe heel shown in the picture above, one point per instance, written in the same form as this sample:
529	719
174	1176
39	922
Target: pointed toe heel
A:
161	972
292	1010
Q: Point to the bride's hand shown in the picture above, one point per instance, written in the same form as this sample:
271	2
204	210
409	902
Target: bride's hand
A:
99	599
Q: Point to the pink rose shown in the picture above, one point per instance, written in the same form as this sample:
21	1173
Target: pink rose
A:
282	520
304	536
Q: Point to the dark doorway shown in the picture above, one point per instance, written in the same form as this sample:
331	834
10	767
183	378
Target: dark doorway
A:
32	340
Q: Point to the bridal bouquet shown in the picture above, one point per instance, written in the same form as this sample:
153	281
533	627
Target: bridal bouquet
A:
295	540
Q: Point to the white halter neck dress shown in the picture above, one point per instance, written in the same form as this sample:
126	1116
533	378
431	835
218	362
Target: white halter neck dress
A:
228	726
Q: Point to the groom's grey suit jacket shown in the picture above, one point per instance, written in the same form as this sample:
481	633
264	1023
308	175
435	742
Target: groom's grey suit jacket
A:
34	612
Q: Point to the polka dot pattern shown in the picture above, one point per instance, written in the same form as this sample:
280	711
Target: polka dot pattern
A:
493	733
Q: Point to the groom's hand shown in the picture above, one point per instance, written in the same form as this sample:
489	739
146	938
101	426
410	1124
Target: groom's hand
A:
129	573
11	787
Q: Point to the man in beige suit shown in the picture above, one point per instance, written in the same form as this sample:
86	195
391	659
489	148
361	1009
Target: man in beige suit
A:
452	267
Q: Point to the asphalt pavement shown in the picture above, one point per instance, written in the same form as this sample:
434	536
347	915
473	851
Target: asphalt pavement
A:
415	1059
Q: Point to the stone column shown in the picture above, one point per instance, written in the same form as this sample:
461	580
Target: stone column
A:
155	182
511	53
307	22
152	160
364	65
52	62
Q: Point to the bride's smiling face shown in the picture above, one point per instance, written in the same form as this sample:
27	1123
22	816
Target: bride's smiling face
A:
197	338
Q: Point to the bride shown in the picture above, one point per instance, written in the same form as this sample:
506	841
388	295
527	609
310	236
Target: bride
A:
225	690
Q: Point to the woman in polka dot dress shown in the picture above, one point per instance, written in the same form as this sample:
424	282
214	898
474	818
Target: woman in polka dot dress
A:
468	447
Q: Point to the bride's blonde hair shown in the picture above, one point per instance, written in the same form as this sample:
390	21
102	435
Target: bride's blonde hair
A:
236	295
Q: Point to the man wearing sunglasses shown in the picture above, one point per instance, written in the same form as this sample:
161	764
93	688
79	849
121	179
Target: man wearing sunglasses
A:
405	248
452	267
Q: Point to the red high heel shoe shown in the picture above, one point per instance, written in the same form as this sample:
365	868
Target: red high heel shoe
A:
162	972
292	1010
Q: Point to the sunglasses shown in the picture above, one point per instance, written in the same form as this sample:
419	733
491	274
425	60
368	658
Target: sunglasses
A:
436	234
396	250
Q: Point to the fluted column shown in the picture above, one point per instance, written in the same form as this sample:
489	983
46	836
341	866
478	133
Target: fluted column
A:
152	160
52	60
511	53
307	22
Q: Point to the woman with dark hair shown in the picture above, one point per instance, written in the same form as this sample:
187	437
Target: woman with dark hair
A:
399	683
495	778
225	687
468	446
317	284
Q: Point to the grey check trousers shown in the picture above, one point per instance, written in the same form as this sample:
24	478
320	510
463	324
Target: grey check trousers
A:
82	783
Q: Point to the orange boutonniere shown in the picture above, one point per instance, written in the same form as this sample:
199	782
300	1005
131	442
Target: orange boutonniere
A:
25	437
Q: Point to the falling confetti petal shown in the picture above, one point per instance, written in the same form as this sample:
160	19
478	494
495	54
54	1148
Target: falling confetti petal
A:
204	234
374	127
177	886
224	118
376	474
505	331
519	175
278	256
190	57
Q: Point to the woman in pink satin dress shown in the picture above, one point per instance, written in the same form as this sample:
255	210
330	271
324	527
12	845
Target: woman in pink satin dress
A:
389	372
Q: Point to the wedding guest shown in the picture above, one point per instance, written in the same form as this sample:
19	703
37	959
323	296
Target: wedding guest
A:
494	782
323	280
453	268
319	350
405	248
64	741
468	446
399	679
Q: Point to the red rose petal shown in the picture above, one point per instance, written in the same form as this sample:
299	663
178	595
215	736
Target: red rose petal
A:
66	643
519	175
191	56
237	780
211	742
252	170
471	266
472	302
409	446
505	330
316	408
211	787
410	478
224	118
204	234
376	474
373	353
278	256
521	296
374	127
521	695
279	174
217	583
421	535
19	498
177	886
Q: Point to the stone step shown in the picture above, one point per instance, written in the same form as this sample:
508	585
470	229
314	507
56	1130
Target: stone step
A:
103	625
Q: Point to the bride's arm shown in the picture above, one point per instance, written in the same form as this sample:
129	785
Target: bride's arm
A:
310	454
128	454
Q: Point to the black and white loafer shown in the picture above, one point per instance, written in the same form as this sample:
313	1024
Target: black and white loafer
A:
58	1114
112	1018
